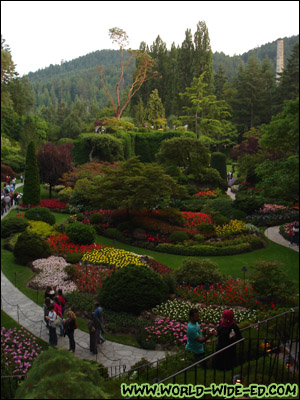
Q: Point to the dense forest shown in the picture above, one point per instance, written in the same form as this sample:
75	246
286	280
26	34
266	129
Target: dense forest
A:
213	95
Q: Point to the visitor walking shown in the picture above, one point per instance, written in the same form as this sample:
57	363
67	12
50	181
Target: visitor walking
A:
228	332
70	324
99	314
51	317
195	340
295	234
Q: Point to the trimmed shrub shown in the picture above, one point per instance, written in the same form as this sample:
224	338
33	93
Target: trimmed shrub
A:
133	289
219	219
218	162
96	219
196	272
31	190
69	376
80	233
204	250
238	214
80	301
73	258
13	225
30	247
40	214
114	233
222	205
178	236
206	228
41	228
10	242
171	215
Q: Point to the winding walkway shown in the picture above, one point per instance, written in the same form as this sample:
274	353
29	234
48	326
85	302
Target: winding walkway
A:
113	355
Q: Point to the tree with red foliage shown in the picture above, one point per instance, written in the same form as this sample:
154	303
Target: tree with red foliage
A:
53	161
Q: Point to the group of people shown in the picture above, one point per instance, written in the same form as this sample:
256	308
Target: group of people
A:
227	333
54	309
9	196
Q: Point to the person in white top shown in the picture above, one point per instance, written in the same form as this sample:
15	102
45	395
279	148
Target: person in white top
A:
51	317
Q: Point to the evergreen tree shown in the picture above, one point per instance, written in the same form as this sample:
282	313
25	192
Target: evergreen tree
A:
31	191
155	111
202	57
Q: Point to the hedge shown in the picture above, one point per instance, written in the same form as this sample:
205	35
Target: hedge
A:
204	250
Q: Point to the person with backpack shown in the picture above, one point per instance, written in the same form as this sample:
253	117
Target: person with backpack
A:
62	299
70	324
51	317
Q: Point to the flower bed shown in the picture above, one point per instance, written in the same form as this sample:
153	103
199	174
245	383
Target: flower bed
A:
89	278
147	237
179	311
53	204
166	331
18	351
233	227
287	230
206	193
52	273
112	257
60	244
193	219
234	292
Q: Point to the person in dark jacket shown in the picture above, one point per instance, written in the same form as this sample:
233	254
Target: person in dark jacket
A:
94	329
228	332
70	324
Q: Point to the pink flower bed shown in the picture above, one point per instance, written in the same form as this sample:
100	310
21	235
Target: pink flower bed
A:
52	274
272	208
167	331
18	351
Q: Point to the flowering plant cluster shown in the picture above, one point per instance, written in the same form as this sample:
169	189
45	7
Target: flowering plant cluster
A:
288	228
193	219
206	193
272	208
159	268
20	215
234	226
234	292
167	331
41	228
52	273
89	278
114	257
61	244
179	311
150	238
53	204
18	351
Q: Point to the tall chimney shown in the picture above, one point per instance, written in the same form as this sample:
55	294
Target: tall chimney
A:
279	59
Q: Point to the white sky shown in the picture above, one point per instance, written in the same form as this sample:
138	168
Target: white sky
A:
40	33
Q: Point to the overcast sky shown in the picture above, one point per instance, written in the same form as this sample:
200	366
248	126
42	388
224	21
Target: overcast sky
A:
40	33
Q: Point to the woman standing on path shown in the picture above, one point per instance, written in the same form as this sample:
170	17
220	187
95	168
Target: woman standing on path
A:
227	332
51	317
70	324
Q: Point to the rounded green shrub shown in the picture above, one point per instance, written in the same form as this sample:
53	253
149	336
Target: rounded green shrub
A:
222	205
13	225
10	242
199	238
238	214
73	258
96	218
80	301
40	214
178	236
218	162
114	233
133	289
205	227
41	228
219	219
80	217
30	247
196	272
80	233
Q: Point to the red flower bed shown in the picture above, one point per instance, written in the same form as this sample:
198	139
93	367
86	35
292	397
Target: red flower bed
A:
53	204
89	278
194	219
206	193
60	244
146	237
157	267
233	292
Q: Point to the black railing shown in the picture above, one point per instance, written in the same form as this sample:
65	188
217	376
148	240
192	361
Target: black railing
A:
9	385
267	353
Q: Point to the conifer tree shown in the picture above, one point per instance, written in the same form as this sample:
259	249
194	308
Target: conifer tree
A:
31	191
